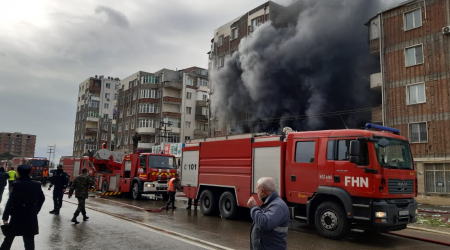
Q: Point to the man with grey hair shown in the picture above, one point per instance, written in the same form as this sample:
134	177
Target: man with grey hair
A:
270	220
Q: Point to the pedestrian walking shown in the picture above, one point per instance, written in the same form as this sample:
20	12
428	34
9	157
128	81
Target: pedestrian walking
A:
190	202
136	139
174	184
12	177
22	208
105	145
44	176
3	181
60	180
270	220
81	186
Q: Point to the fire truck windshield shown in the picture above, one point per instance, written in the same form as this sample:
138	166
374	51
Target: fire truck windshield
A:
39	163
397	155
164	162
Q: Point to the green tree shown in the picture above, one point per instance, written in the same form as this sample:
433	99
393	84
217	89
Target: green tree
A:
6	156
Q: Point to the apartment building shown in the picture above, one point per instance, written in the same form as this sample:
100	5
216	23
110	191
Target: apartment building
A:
167	106
226	41
95	116
17	144
412	42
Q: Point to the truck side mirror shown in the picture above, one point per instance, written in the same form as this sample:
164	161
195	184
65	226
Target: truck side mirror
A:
383	143
354	151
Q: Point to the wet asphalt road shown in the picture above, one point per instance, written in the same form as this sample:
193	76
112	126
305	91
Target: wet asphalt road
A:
106	232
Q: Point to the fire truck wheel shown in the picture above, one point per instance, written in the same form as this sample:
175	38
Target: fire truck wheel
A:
227	205
208	203
135	192
331	221
104	187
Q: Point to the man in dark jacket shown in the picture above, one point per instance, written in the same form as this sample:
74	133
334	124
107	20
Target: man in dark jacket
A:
81	186
136	139
23	206
60	180
3	181
270	220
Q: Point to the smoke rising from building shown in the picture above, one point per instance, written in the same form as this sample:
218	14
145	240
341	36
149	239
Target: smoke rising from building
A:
315	61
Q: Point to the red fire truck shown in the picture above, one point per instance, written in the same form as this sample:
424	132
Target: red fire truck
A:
336	180
38	164
72	165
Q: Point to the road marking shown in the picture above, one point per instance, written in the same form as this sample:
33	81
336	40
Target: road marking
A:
175	235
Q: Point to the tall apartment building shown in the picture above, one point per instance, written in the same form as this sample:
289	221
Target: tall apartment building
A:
167	106
226	40
414	82
17	144
95	117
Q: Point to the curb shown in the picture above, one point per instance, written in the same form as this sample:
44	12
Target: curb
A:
186	237
427	230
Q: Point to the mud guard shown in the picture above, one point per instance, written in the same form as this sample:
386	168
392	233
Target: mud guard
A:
339	193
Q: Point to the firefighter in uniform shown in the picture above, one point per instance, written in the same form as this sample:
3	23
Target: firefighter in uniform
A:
60	180
44	176
12	177
174	184
81	186
105	145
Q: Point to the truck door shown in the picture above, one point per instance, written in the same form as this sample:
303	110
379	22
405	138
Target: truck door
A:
302	179
348	176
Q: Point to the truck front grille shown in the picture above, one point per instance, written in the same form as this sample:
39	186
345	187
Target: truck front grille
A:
397	186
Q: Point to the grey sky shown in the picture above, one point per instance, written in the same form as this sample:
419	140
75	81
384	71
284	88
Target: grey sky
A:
48	47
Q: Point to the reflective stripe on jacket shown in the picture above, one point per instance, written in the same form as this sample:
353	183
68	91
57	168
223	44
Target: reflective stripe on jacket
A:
171	187
104	146
44	173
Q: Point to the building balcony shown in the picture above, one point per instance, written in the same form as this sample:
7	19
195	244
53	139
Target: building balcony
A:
92	119
374	47
171	100
375	82
91	130
198	134
171	114
145	145
146	130
201	103
173	85
377	116
201	117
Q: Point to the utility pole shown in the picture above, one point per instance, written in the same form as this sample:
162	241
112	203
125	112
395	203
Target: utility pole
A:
50	151
165	130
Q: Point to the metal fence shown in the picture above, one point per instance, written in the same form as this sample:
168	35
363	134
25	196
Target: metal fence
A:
437	178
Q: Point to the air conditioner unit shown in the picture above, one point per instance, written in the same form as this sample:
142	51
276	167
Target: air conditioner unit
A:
446	30
107	99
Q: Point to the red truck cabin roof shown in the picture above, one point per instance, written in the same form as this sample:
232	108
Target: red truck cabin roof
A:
343	133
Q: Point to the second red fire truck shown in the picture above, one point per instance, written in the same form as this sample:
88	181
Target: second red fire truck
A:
336	180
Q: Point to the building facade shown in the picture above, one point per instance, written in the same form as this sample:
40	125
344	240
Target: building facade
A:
226	41
414	82
168	106
95	116
17	144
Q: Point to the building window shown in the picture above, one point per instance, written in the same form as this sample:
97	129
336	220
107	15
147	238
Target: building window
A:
437	178
105	116
146	123
120	127
134	96
413	19
106	106
107	95
188	110
126	126
205	97
202	82
92	114
94	104
416	93
148	108
188	125
187	138
418	132
147	93
126	140
188	95
132	125
120	114
104	137
133	110
190	81
221	40
234	33
173	138
305	151
128	111
221	61
172	122
108	85
254	23
117	86
414	55
115	96
199	126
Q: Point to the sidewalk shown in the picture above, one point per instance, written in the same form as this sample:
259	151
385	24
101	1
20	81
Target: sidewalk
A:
433	221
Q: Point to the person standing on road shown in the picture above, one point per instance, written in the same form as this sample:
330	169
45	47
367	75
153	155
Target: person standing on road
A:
44	176
23	206
174	184
12	177
3	181
136	139
60	180
190	202
270	220
81	186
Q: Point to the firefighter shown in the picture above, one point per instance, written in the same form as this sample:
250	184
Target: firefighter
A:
60	179
174	184
105	145
136	138
22	208
81	186
12	177
44	176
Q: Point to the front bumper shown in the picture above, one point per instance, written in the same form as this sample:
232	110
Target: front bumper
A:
153	187
399	213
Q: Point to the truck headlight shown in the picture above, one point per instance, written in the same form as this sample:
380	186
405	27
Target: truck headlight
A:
380	214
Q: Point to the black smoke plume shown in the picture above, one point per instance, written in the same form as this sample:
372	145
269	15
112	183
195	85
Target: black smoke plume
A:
295	74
